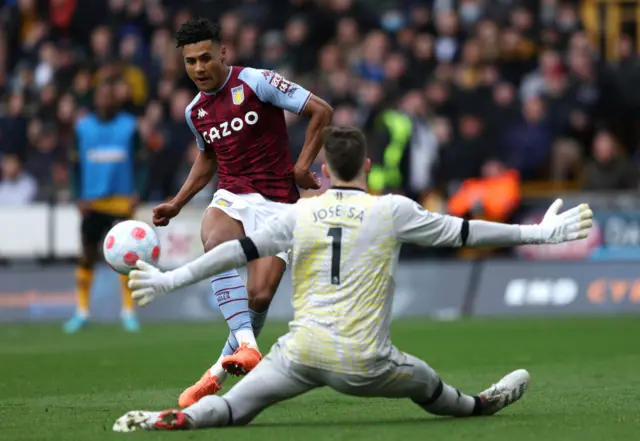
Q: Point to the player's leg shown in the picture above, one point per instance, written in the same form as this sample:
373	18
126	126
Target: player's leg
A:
410	377
264	276
231	295
127	313
274	380
90	233
449	401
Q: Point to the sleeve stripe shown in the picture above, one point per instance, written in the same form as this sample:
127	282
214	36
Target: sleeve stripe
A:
249	248
301	109
464	232
187	115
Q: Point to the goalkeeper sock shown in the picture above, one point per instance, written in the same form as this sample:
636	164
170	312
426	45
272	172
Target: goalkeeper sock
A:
127	302
449	401
84	280
210	411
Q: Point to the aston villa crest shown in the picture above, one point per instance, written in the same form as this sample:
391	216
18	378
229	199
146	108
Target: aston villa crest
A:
237	94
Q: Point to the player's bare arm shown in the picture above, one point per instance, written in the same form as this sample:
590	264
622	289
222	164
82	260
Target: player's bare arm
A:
201	174
320	114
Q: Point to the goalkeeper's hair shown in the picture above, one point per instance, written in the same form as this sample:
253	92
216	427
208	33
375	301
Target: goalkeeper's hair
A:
196	30
345	151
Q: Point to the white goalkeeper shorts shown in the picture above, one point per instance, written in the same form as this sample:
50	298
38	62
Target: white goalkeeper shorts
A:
252	210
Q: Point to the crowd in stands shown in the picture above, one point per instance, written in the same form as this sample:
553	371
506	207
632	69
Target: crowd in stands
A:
458	96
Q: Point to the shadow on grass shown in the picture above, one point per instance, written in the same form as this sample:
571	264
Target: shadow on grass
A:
399	422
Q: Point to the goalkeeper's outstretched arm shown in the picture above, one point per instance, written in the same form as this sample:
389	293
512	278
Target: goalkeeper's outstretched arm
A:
275	238
148	282
414	224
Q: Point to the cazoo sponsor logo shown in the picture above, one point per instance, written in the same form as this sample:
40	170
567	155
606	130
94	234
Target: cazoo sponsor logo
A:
227	128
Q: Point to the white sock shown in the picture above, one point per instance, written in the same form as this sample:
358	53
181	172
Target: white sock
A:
449	401
217	371
245	336
210	411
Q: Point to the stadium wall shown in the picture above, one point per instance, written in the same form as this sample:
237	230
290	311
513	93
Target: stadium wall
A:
42	231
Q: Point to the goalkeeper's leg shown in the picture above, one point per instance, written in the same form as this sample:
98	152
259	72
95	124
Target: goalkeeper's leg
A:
410	377
273	380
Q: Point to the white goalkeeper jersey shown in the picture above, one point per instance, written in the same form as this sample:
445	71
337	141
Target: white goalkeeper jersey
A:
345	251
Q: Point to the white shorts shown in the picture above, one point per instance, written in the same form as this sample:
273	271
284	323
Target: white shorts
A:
252	210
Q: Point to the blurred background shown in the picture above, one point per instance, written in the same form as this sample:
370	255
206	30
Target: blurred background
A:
486	109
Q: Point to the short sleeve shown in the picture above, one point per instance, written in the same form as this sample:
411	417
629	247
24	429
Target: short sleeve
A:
271	87
413	224
187	116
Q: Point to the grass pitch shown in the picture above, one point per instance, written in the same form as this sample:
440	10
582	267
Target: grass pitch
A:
585	383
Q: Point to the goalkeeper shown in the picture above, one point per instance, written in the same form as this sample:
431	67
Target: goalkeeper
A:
345	249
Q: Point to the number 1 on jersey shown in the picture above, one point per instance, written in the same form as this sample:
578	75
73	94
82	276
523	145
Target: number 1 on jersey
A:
336	248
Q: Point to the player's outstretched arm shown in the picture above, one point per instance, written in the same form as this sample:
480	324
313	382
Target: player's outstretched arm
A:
414	224
148	282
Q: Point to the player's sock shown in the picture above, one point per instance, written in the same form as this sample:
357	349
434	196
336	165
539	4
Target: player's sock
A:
128	313
449	401
257	321
127	302
210	411
84	280
231	345
233	301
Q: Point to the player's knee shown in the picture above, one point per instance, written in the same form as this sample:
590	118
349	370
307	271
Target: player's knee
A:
85	263
88	258
260	297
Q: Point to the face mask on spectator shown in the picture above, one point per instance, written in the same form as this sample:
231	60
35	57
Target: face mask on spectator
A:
393	21
470	12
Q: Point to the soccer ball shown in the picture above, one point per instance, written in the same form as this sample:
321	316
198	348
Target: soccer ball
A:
130	241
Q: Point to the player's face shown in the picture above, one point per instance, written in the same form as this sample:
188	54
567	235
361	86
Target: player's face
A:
104	99
205	66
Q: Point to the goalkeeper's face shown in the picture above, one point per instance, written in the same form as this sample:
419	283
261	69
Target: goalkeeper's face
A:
205	64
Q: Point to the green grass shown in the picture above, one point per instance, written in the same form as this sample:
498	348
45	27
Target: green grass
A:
585	372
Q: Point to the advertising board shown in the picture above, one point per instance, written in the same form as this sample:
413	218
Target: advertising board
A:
558	288
47	294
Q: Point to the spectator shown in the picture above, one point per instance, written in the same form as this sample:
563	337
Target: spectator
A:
472	63
13	126
494	196
527	144
44	154
608	170
463	159
17	187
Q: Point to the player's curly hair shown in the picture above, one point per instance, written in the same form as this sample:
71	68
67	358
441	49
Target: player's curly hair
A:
196	30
